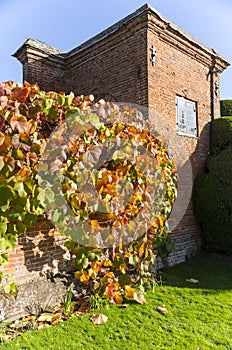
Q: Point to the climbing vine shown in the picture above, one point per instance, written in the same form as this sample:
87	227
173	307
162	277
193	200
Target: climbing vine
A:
98	172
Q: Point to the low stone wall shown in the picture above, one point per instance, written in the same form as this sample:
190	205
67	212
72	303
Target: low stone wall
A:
39	295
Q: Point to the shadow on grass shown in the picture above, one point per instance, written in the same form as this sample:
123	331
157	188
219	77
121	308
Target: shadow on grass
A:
214	271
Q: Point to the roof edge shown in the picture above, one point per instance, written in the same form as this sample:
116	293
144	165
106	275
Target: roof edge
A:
110	30
113	28
187	35
40	46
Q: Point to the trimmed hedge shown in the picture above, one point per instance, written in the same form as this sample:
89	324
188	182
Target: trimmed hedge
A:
213	191
226	108
221	136
213	202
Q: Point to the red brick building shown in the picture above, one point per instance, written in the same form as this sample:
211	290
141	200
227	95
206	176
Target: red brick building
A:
147	60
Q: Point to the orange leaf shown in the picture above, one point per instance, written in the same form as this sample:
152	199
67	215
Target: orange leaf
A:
19	122
118	298
132	130
5	143
94	223
23	174
129	292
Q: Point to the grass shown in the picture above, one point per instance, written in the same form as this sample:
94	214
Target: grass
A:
200	316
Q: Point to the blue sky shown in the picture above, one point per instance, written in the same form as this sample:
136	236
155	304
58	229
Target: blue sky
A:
66	24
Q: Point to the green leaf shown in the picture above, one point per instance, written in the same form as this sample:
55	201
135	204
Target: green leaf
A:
7	242
56	215
28	219
19	187
6	194
124	280
70	245
4	258
12	228
94	119
3	228
61	99
68	100
10	288
85	263
47	104
46	197
53	112
10	241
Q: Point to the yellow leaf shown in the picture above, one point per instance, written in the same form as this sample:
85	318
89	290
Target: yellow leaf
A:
49	317
96	266
122	268
109	274
154	222
82	276
92	274
118	298
141	249
160	218
107	263
139	197
129	292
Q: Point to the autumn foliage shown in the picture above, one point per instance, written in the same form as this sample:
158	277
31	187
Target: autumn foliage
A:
99	174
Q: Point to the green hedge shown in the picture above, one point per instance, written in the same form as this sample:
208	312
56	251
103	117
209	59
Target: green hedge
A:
226	107
213	191
221	136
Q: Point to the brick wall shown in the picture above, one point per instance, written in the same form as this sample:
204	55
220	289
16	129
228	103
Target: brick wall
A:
39	252
116	65
115	68
42	65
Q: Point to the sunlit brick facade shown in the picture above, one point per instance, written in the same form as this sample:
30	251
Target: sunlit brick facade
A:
143	59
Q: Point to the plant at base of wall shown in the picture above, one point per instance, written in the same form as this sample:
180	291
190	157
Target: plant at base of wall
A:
29	188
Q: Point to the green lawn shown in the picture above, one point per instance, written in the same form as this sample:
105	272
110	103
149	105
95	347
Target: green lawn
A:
200	316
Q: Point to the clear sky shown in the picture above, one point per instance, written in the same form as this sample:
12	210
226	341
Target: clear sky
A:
66	24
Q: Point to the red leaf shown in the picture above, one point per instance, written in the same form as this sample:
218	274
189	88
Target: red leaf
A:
110	290
20	93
